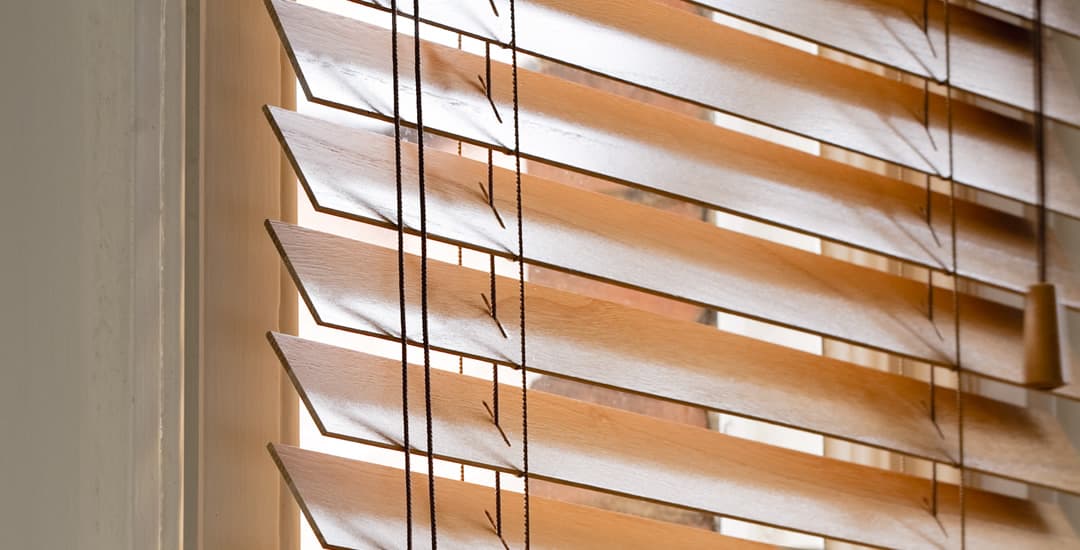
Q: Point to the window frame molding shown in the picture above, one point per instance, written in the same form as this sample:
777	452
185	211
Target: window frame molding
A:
235	399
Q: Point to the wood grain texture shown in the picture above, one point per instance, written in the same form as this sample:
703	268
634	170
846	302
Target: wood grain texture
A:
866	406
739	273
1062	15
888	32
867	312
990	57
356	397
351	173
233	404
800	192
600	133
620	347
995	59
355	505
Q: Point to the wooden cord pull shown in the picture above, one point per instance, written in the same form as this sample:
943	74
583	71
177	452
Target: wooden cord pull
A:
1046	357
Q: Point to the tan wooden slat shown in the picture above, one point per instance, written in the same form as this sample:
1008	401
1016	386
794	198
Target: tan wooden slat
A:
622	139
616	346
801	192
351	172
888	32
599	133
352	504
1063	15
616	451
995	59
858	404
801	290
662	253
991	58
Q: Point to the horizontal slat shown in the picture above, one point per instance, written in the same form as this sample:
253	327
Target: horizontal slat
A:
595	131
888	32
665	254
351	172
1063	15
858	404
990	57
719	169
616	346
630	245
358	398
995	59
357	505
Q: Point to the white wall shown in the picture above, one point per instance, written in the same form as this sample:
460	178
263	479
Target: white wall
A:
89	315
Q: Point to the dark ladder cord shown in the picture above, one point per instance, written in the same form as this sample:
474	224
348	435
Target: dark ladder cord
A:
460	262
495	314
930	271
1040	141
401	280
521	272
956	281
493	304
425	334
929	212
491	259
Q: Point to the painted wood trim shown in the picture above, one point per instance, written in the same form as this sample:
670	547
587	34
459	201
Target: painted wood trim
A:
236	403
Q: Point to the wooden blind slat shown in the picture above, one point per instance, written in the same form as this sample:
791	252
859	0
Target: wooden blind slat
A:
884	31
351	173
875	309
732	272
1063	15
994	59
715	167
616	346
990	57
601	133
633	455
343	63
691	261
821	395
359	505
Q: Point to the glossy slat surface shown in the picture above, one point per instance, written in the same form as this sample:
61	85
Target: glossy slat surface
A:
777	185
1063	15
990	57
995	59
616	346
684	55
587	445
351	173
602	134
856	404
739	273
357	505
991	337
888	32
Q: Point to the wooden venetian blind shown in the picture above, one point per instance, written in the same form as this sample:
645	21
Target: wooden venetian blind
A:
970	102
